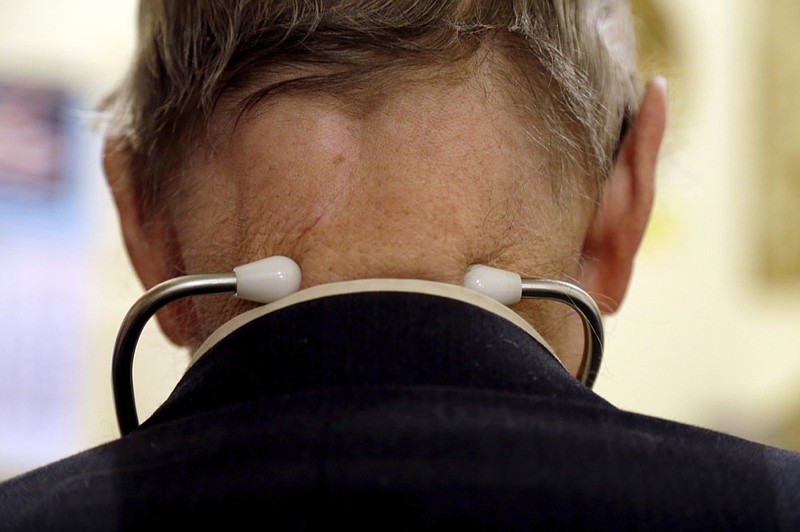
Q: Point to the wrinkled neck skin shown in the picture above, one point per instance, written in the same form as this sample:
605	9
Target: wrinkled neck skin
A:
422	182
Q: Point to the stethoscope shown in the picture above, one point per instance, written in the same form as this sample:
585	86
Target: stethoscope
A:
273	278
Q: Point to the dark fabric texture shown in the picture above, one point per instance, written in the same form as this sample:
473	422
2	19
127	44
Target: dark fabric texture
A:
402	412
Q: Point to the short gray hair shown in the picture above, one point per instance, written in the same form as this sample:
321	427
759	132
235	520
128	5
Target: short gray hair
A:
572	65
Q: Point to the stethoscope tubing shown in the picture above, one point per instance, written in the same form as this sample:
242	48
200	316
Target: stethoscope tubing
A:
133	325
195	285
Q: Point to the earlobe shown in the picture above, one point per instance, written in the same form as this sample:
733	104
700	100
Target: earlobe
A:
141	244
149	237
616	231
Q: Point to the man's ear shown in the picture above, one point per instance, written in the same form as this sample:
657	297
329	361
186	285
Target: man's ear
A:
149	236
626	200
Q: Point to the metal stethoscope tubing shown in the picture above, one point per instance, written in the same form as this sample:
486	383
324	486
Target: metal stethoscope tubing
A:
195	285
133	324
585	306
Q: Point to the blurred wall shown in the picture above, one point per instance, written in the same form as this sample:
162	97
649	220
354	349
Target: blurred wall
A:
704	336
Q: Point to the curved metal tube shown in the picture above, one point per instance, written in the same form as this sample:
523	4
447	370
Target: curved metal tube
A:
193	285
585	306
133	324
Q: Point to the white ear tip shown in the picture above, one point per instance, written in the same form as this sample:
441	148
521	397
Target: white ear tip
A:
267	280
502	285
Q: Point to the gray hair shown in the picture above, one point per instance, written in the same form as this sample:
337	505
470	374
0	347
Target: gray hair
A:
570	64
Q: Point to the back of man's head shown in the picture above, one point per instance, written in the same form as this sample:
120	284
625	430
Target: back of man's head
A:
568	65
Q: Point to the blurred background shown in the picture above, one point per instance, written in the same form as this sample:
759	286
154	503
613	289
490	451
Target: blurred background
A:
709	335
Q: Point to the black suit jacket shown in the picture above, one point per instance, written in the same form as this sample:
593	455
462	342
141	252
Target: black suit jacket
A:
402	411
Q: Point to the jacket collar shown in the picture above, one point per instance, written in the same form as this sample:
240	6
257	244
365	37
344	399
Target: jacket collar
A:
365	334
